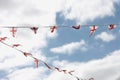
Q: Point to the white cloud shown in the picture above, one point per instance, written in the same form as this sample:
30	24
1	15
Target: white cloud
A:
41	12
27	74
84	10
106	37
36	12
106	68
70	47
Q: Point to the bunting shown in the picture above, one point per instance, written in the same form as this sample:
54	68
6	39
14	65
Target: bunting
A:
15	45
3	38
92	30
111	26
53	29
36	60
13	30
76	27
34	29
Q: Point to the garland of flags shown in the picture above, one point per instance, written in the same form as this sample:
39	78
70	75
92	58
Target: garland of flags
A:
36	60
93	28
13	31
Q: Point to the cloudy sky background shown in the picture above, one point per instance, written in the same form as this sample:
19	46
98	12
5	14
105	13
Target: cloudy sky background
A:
97	56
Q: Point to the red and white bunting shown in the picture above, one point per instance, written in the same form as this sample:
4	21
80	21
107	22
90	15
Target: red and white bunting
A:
13	31
111	26
34	29
36	62
27	54
16	45
47	66
3	38
70	72
76	27
93	29
53	29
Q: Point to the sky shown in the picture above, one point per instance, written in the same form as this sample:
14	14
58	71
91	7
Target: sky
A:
97	56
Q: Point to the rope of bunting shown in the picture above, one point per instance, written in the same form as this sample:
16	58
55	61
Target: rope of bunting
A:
36	60
53	28
13	30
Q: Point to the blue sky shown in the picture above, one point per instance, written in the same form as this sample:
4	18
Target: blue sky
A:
69	35
96	56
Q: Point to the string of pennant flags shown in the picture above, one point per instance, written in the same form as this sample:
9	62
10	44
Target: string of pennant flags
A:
36	60
13	31
93	28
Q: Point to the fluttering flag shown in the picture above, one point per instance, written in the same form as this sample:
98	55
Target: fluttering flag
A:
76	27
36	62
93	29
15	45
47	66
70	72
34	29
58	69
91	79
65	71
77	78
111	26
3	38
27	54
13	31
53	29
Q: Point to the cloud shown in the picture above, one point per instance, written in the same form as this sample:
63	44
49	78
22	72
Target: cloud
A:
44	12
27	74
106	37
85	10
70	47
30	12
106	68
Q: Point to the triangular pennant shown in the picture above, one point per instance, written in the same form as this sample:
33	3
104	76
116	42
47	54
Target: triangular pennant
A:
53	29
91	79
3	38
36	62
93	29
13	31
70	72
47	66
76	27
65	71
34	29
111	26
15	45
58	69
27	54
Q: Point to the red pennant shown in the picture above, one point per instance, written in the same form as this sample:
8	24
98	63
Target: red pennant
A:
76	27
36	62
13	30
53	29
34	29
65	71
77	78
3	38
57	69
47	66
70	72
27	54
15	45
111	26
92	30
91	79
